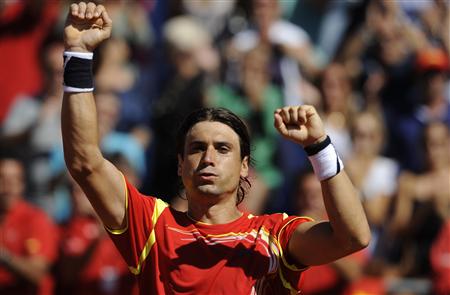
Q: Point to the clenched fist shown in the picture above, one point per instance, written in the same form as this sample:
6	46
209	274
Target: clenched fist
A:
86	27
300	124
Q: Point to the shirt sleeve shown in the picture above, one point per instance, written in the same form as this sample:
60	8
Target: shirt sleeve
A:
289	273
135	240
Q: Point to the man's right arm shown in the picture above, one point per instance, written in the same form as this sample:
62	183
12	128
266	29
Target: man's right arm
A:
87	26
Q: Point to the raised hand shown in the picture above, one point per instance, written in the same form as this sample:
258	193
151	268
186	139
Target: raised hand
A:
300	124
86	27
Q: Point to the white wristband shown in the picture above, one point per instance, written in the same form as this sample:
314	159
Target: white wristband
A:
83	55
326	162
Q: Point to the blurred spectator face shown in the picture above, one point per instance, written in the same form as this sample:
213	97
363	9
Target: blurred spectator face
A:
433	64
265	13
335	88
12	184
309	197
108	110
367	134
437	145
255	70
434	86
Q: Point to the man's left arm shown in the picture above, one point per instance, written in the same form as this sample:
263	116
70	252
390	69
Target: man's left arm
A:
347	231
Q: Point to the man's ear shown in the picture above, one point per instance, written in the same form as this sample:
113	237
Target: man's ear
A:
180	163
244	167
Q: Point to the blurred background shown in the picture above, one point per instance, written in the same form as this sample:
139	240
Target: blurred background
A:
376	70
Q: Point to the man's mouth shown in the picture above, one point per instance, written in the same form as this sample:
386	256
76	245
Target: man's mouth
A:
207	175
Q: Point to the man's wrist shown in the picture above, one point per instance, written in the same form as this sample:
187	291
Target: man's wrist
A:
318	145
76	49
324	159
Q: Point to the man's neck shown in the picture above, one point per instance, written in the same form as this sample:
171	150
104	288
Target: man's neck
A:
218	213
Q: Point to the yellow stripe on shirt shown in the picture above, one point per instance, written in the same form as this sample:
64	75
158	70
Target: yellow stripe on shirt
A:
158	209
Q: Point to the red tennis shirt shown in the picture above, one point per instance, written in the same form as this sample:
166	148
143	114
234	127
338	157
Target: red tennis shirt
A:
172	254
27	231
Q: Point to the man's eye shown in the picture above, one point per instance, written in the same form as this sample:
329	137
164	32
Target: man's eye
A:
223	149
195	149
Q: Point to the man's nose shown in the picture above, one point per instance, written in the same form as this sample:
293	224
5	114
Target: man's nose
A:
209	156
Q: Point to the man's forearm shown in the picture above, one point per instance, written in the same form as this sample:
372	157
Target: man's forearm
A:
80	132
345	212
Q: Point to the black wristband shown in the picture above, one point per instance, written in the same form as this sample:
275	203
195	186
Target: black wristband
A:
317	147
78	75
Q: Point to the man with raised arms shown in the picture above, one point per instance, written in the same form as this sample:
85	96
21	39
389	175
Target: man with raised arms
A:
213	248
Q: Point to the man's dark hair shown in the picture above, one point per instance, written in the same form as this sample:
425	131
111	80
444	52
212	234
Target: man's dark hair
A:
228	118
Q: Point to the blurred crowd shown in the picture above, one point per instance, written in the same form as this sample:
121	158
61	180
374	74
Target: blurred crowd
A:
376	70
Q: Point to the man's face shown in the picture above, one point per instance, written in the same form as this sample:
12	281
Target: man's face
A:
11	182
212	165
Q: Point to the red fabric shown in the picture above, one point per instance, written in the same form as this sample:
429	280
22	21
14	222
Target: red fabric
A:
20	70
325	279
105	271
440	261
366	286
189	257
320	278
27	231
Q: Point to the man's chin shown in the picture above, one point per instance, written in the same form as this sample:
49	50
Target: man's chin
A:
208	190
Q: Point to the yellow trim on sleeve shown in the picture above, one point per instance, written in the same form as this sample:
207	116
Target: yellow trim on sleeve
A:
286	284
120	231
158	209
283	258
292	267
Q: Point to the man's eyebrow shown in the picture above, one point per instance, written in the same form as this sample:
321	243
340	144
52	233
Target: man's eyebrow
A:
222	143
196	142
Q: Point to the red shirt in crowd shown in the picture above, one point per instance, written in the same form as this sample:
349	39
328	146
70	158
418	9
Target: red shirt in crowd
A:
102	270
27	231
440	260
173	254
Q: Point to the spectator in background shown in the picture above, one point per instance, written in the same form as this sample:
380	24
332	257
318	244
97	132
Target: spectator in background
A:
213	15
28	239
292	57
326	23
24	25
192	56
339	106
420	210
254	101
118	73
32	127
374	175
431	95
89	262
132	24
435	22
384	45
